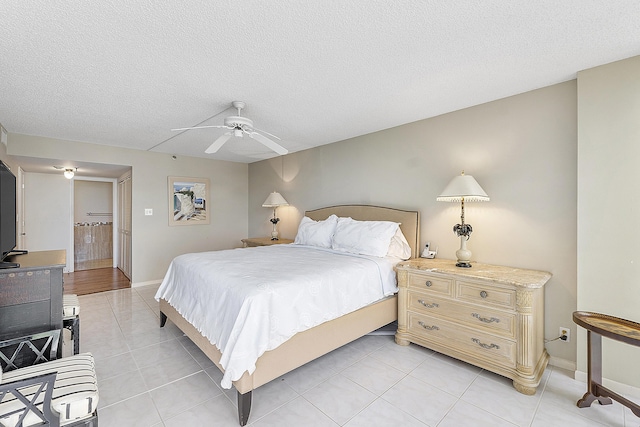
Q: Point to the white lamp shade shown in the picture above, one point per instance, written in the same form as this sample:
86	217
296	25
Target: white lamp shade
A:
274	200
68	173
463	187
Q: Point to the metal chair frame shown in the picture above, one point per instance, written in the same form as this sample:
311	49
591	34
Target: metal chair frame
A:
27	343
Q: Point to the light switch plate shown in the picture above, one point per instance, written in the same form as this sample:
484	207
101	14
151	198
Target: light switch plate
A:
148	211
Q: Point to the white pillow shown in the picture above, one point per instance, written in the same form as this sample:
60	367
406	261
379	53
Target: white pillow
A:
316	233
363	237
399	247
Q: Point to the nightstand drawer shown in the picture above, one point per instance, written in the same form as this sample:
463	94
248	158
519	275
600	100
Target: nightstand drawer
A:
486	294
472	342
427	282
472	315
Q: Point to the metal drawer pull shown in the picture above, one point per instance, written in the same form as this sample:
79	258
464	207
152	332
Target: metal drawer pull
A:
426	304
428	284
427	327
484	294
483	345
485	319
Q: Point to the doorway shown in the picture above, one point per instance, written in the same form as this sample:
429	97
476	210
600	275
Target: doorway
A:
93	242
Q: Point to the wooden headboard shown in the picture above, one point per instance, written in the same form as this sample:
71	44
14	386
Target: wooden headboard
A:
409	220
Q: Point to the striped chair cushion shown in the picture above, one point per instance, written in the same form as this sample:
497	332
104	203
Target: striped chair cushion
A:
70	306
75	394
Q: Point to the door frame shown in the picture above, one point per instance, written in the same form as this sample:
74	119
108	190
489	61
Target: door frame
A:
114	218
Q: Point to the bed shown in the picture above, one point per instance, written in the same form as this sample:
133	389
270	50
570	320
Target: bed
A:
314	342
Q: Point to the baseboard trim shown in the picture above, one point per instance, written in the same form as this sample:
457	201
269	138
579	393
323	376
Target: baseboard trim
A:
147	283
562	363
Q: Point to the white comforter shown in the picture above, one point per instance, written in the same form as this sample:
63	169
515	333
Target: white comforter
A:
248	301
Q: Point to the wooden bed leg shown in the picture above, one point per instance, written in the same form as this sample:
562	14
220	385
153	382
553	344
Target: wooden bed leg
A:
244	407
163	319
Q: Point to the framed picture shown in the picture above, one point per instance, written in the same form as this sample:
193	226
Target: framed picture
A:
189	201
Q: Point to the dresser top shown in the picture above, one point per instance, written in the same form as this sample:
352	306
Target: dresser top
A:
495	273
39	259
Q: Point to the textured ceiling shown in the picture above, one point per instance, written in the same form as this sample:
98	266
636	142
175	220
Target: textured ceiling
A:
125	72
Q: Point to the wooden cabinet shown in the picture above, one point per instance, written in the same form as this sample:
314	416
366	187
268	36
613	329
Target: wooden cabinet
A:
31	295
263	241
92	242
490	316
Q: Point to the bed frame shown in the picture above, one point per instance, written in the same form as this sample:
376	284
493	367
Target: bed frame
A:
315	342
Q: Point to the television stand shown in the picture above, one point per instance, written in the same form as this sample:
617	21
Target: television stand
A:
5	264
31	295
18	252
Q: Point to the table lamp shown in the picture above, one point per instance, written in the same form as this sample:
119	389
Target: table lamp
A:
274	200
463	188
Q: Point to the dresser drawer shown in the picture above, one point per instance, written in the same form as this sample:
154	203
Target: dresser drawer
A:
486	294
427	282
472	315
472	342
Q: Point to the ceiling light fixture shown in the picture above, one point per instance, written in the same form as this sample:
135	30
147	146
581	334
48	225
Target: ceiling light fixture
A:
69	173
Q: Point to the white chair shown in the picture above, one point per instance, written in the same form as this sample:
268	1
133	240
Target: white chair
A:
71	318
62	392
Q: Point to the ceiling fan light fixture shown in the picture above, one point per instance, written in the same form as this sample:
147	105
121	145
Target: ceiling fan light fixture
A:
237	126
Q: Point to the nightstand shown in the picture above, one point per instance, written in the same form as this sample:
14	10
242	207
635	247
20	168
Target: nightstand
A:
263	241
487	315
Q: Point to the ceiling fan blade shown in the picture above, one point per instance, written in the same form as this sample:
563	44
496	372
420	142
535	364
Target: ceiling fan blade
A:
269	143
218	143
201	127
266	133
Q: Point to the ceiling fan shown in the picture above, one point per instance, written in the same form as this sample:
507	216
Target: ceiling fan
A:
239	126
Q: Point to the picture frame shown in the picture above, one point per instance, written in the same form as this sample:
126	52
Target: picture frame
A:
189	202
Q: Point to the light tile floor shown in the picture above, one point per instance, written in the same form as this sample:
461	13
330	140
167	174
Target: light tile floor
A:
152	376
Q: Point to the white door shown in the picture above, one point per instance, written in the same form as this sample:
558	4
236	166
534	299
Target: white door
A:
47	198
124	225
20	207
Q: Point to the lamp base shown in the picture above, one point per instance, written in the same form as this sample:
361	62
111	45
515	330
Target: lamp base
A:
463	254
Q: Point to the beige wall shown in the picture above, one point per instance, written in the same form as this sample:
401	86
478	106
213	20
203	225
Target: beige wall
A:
522	150
154	243
7	160
609	205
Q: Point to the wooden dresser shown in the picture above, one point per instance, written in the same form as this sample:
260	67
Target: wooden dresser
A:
487	315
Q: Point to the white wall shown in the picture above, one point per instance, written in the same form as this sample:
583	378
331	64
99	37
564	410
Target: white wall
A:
92	197
522	151
154	243
609	206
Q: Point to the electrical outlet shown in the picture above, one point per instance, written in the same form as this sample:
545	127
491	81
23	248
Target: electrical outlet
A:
564	332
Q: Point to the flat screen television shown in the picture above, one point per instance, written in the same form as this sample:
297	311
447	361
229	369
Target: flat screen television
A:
7	214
